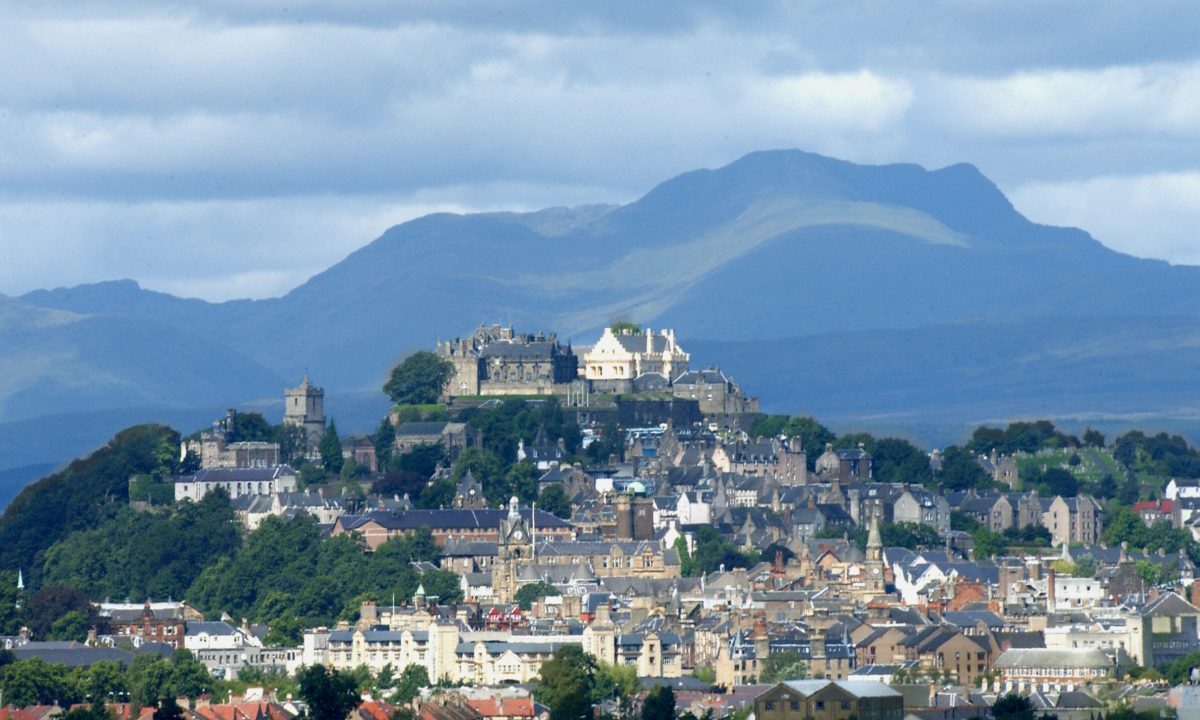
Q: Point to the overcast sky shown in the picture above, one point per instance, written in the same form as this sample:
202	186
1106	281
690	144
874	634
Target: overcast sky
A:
233	149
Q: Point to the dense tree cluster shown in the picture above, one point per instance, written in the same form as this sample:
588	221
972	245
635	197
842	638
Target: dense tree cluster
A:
139	555
419	380
147	681
83	495
290	577
1161	455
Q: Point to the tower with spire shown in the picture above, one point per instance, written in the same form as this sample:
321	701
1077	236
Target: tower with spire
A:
513	550
874	558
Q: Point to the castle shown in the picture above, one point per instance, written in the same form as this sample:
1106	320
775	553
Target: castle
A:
304	407
497	361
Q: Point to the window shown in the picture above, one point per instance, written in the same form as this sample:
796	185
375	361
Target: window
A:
845	704
795	705
769	705
820	704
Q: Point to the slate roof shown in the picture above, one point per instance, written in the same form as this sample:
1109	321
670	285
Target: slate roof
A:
251	474
1047	658
449	519
421	428
858	688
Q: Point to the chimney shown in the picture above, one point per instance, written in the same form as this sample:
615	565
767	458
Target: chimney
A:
1050	590
91	636
649	340
1196	591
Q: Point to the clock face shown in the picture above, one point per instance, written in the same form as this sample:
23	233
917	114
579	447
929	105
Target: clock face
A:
518	535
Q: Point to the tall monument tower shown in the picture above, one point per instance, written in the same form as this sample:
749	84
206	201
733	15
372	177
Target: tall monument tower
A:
304	407
515	548
874	563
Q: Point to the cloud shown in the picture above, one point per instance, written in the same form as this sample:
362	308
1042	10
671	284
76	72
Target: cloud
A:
138	137
1107	102
1149	216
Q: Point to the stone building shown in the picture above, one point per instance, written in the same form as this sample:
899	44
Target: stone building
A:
829	700
845	464
304	407
216	449
497	361
1076	519
617	359
716	393
237	482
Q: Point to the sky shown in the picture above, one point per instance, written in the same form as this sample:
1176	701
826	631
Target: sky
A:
233	149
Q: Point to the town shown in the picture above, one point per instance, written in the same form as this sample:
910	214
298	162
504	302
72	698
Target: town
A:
544	530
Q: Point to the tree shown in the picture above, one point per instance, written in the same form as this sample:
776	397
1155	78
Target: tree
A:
566	683
329	694
1093	438
624	326
1012	707
251	427
73	625
553	500
330	448
410	683
168	709
48	605
659	704
419	380
783	666
385	437
988	544
532	592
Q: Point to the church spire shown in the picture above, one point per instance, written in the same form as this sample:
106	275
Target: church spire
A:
873	539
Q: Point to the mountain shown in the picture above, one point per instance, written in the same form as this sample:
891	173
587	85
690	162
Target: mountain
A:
780	266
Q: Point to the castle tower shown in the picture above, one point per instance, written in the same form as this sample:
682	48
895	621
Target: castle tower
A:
304	407
874	564
514	549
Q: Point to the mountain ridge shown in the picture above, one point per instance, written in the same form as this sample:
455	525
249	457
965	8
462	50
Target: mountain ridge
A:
774	246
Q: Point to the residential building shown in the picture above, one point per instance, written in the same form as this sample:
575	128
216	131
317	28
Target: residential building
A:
829	700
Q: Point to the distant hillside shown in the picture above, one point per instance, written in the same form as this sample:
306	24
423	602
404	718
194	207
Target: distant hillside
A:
776	246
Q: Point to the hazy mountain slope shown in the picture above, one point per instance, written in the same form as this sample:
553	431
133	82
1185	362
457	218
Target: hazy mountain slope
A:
774	246
1130	369
55	361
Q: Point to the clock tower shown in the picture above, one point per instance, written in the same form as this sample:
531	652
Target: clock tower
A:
514	548
874	565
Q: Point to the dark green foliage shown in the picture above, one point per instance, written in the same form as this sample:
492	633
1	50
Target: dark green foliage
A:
659	704
153	679
962	521
608	443
566	683
1179	671
330	449
436	495
168	709
1056	481
419	380
813	435
1012	707
711	550
554	500
1162	455
422	460
148	489
489	471
251	427
95	711
505	424
960	471
631	328
385	436
908	535
329	694
988	544
1028	536
141	555
82	496
1093	438
532	592
410	683
288	575
36	682
686	564
11	617
1026	437
1085	566
781	666
897	461
1122	524
48	605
